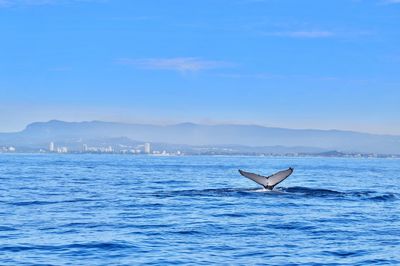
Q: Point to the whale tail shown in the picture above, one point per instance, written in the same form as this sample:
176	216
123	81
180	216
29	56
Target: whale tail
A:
268	182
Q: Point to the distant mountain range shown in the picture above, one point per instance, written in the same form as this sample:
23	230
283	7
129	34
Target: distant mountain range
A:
39	134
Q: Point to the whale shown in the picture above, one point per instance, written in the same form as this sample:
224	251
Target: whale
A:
268	182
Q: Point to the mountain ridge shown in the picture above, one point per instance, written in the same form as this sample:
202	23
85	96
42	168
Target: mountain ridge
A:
199	134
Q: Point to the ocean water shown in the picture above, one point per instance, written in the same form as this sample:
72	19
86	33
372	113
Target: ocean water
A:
135	210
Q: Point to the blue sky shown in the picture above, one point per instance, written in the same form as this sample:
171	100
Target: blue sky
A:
287	63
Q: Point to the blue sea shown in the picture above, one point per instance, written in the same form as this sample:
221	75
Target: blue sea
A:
137	210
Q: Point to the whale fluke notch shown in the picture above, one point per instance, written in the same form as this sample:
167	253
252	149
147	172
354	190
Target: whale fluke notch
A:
268	182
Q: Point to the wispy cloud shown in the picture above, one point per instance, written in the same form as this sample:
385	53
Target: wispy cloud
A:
181	64
302	34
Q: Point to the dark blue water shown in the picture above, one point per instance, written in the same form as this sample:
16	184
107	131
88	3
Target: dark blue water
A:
128	210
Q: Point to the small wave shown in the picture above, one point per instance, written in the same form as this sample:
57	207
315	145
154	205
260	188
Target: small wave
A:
83	225
312	191
365	195
198	192
7	228
33	202
299	191
380	262
231	215
93	245
346	254
372	195
387	197
188	232
380	196
293	226
101	245
216	192
42	202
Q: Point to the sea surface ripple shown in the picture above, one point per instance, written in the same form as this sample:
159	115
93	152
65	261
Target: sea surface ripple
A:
130	210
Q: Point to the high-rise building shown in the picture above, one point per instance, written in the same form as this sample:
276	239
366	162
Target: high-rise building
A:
51	146
62	150
147	148
85	147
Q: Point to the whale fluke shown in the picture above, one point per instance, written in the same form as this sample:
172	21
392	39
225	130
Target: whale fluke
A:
268	182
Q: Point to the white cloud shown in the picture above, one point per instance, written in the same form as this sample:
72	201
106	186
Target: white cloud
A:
181	64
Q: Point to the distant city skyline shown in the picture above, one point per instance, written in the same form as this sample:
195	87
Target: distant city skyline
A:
293	64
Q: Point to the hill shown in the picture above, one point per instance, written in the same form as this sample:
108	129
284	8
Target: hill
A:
41	133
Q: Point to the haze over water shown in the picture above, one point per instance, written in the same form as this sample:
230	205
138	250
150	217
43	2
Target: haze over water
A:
125	210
